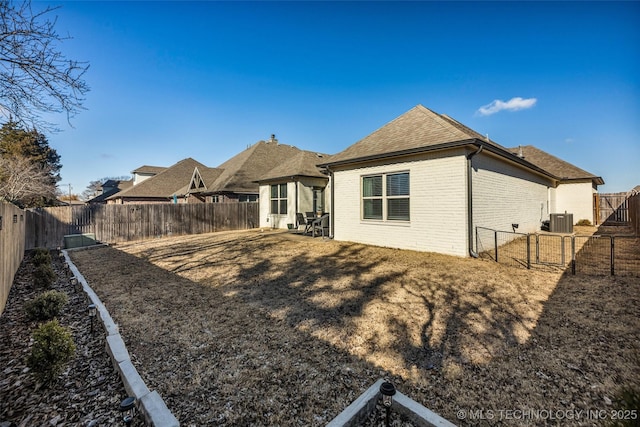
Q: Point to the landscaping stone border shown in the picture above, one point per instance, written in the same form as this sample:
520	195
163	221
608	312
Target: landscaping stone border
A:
360	409
149	403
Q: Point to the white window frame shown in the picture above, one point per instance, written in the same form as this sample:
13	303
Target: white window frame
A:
384	197
279	199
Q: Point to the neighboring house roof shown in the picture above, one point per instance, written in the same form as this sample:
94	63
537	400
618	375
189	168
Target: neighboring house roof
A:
114	188
241	172
302	164
565	171
174	180
74	202
149	169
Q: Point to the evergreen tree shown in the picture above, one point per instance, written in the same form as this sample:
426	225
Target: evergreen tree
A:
29	167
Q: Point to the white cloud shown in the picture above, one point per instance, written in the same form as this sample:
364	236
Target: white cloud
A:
514	104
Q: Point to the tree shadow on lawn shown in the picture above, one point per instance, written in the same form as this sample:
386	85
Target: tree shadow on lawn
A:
311	318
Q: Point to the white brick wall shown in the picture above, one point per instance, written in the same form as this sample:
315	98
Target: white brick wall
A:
504	194
437	206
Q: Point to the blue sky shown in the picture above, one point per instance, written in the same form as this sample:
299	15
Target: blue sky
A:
171	80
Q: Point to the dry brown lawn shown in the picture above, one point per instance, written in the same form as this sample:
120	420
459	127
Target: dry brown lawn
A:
251	328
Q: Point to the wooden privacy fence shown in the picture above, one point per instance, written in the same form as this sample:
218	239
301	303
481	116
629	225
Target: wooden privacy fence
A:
121	223
634	212
12	231
611	208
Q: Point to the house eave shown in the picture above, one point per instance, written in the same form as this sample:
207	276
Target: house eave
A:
597	180
395	154
474	142
290	178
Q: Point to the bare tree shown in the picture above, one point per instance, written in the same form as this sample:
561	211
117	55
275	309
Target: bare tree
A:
25	182
35	77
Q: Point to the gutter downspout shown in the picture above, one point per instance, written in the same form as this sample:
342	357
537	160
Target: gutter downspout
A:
331	200
470	157
296	182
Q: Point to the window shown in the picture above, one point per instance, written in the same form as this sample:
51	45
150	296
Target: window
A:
248	198
386	197
372	197
318	199
279	199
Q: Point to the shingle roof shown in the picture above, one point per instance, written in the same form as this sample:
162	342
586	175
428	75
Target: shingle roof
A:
421	129
173	180
555	166
149	169
241	172
302	164
416	129
116	187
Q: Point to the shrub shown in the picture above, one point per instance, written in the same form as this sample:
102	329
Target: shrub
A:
41	256
43	275
583	222
47	305
627	404
53	347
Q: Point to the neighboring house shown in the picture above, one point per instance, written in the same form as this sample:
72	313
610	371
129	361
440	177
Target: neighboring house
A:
174	184
145	172
189	181
425	182
238	180
109	188
297	185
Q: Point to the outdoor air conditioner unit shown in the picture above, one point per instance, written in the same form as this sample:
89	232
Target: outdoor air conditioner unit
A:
561	223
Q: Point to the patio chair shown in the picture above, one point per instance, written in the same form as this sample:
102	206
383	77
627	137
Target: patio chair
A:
321	225
300	220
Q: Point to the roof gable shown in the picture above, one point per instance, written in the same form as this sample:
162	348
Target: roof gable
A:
197	183
241	172
302	164
416	129
174	180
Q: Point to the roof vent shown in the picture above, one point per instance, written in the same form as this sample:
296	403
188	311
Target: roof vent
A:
273	139
520	153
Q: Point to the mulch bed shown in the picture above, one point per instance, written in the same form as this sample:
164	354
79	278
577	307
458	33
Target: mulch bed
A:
88	392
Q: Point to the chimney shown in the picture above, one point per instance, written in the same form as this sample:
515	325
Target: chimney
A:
273	139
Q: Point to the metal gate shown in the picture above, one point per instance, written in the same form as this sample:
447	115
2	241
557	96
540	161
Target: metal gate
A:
592	255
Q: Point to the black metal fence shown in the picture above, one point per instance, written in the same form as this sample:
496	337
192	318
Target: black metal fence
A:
593	255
